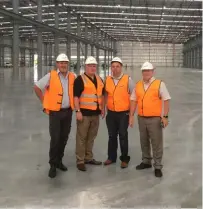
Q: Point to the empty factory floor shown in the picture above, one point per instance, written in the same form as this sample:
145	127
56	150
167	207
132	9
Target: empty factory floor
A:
24	145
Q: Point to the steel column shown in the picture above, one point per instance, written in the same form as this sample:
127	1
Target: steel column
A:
114	48
68	44
56	39
97	51
50	54
108	55
200	57
45	53
78	45
22	57
92	38
1	56
104	64
86	34
39	40
16	41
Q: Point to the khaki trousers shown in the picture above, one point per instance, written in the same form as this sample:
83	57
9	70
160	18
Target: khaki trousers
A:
87	130
151	131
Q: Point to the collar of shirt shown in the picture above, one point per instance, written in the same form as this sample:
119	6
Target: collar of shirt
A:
94	78
150	81
58	71
118	77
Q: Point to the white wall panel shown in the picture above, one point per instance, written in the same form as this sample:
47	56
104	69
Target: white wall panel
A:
136	53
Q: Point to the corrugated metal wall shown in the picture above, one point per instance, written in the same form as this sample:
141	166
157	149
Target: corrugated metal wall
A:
136	53
133	54
193	53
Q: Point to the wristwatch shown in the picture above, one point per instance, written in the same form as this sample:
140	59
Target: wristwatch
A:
77	110
165	116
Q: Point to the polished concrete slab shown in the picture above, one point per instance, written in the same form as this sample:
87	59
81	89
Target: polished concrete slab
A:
24	145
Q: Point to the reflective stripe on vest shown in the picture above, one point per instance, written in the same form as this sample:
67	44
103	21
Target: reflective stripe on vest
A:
149	101
88	103
53	95
91	97
118	96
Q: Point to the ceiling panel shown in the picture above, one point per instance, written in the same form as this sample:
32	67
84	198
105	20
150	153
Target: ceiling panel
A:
173	21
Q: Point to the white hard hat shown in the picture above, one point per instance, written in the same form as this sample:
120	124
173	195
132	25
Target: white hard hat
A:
91	60
117	59
147	66
62	58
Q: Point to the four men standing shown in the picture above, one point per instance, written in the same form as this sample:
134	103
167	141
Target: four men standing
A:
87	95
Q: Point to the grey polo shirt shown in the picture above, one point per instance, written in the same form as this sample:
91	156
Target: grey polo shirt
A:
43	83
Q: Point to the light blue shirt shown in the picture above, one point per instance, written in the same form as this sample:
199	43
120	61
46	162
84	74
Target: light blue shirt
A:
43	83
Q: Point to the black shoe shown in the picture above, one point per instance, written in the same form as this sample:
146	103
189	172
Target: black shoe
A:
143	166
158	173
62	167
52	172
93	162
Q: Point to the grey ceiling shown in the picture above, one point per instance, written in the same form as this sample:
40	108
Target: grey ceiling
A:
140	20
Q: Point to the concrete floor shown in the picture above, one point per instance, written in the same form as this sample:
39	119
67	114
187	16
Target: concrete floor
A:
24	145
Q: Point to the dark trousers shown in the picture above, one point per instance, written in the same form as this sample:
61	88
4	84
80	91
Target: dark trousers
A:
117	124
59	129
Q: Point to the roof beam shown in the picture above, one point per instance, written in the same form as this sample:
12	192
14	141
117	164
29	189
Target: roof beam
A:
42	26
111	7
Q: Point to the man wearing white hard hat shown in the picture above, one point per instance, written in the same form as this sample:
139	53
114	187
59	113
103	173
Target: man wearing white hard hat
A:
55	91
89	104
118	88
147	97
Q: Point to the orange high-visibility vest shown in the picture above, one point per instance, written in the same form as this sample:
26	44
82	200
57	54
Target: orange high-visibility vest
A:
91	97
118	98
149	101
53	95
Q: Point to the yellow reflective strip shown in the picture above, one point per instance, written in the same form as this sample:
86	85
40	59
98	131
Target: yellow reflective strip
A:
88	96
89	103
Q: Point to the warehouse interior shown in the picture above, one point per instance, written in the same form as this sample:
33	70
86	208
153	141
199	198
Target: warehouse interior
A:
167	33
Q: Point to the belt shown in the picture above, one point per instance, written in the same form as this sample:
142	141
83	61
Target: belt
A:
65	109
149	116
125	111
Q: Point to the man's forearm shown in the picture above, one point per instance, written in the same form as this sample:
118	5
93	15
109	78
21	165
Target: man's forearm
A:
166	107
133	106
39	93
103	103
76	103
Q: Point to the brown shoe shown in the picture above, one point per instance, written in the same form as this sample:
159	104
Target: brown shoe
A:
124	165
81	167
108	162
